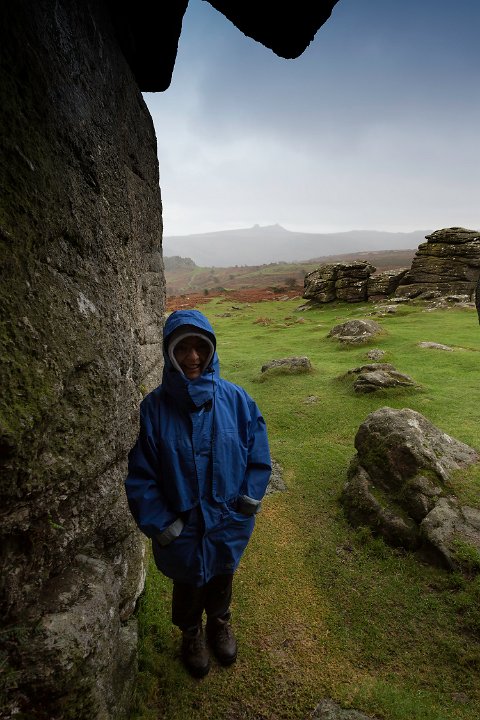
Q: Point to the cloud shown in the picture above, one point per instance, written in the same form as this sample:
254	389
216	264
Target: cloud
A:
374	126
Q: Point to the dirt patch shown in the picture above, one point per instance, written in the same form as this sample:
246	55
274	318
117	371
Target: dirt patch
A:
247	295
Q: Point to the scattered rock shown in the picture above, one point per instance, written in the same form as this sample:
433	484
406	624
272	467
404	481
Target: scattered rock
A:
310	400
276	483
383	310
289	365
379	376
375	354
355	332
435	346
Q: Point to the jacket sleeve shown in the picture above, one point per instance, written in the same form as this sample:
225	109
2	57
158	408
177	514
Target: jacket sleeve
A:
145	499
259	466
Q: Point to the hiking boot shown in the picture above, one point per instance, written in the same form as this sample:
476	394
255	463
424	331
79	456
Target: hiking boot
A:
195	652
221	638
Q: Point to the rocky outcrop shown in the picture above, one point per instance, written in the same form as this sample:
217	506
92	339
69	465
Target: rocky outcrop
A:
397	486
82	302
448	264
338	281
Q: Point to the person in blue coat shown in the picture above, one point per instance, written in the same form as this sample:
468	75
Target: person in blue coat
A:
196	478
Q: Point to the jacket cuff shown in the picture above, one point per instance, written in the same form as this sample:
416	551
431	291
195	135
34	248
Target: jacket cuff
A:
171	532
247	505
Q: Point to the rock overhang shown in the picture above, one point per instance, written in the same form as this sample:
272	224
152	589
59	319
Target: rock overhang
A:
148	33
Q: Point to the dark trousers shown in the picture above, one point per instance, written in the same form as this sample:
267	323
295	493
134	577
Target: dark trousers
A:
189	602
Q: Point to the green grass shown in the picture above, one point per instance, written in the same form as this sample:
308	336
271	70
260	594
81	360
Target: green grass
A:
320	609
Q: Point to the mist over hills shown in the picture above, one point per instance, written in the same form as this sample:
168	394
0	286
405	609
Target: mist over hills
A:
273	243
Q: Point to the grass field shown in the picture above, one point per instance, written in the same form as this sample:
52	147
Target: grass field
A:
321	609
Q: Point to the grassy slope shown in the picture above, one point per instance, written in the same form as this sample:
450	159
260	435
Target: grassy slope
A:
320	609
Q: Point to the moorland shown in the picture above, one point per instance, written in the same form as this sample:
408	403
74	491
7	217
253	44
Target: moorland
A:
184	277
322	609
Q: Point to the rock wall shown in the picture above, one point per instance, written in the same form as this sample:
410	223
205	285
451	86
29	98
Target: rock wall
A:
82	301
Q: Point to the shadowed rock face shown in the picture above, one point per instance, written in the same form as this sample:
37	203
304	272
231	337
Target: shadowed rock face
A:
82	299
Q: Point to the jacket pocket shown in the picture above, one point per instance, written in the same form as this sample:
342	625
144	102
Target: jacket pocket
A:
247	505
170	533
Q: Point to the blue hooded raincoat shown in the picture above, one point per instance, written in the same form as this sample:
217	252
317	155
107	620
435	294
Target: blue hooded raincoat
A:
199	468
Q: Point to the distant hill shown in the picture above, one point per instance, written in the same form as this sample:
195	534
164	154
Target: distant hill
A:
272	243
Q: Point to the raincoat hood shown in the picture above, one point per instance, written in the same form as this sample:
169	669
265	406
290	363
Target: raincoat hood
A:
201	390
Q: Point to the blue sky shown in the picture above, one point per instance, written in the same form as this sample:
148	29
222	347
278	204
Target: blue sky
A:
374	126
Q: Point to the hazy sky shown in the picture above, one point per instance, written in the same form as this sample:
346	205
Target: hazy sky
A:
375	126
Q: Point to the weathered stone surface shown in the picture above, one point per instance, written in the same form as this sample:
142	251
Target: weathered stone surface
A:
447	264
351	289
384	283
394	445
397	486
81	302
450	529
319	285
355	332
289	365
364	508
